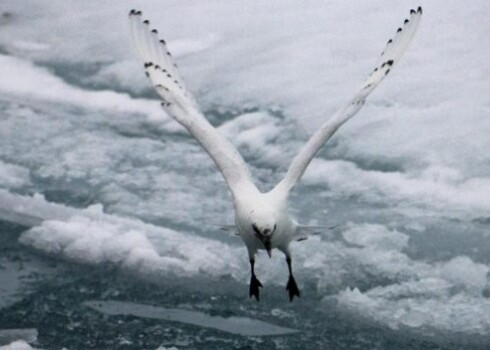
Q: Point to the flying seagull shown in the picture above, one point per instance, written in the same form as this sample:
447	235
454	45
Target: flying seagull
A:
261	219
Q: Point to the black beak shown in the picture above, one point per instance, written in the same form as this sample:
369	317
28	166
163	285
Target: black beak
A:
266	240
269	253
267	245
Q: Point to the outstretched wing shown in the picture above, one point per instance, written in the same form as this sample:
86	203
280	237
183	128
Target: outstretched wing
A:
389	57
181	105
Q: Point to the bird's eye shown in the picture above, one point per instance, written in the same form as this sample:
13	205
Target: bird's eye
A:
256	229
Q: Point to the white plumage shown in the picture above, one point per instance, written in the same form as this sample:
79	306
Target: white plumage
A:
261	219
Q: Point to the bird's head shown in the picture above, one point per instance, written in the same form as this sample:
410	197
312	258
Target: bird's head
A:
264	225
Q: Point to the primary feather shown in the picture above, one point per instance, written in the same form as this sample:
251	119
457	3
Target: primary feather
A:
179	103
389	57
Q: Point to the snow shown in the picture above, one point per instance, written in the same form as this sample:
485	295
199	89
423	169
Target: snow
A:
13	176
441	189
17	338
97	238
17	345
22	78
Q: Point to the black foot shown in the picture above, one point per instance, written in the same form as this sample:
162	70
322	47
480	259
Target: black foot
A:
254	287
292	288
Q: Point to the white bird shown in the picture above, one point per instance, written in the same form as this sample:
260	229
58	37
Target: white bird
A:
261	219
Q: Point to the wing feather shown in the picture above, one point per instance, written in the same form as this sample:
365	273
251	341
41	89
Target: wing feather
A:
181	105
391	54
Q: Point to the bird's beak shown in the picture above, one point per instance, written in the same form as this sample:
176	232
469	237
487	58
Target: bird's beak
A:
266	241
267	245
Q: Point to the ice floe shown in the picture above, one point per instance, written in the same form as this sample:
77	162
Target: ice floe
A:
233	324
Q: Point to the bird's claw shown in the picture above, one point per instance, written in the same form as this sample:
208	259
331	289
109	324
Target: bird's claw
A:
254	287
292	288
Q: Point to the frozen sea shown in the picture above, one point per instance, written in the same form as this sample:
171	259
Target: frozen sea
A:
109	211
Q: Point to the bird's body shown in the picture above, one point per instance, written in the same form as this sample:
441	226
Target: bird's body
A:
263	222
261	219
267	211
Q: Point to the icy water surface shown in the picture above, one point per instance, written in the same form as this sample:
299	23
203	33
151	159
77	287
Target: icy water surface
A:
110	212
131	312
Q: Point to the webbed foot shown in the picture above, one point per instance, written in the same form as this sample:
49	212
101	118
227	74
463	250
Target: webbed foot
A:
254	287
292	288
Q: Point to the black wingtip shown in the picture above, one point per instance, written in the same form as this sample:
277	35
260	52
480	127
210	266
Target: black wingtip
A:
412	11
146	21
132	12
387	63
419	9
398	30
154	31
406	21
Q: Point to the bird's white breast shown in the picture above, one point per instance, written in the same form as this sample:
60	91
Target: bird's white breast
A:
254	205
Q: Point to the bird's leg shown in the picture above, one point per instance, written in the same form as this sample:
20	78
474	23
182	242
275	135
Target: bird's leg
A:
254	282
291	287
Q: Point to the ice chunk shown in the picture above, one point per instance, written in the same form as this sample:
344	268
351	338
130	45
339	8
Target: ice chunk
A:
28	335
30	211
91	236
465	273
13	176
447	297
233	324
17	345
22	78
256	135
376	236
448	193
